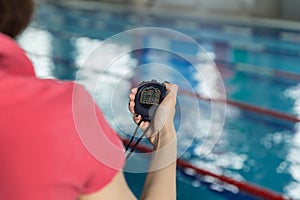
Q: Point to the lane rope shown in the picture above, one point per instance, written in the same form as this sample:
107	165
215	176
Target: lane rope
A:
243	186
244	106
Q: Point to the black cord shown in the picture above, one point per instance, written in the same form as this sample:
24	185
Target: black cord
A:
132	137
137	142
135	145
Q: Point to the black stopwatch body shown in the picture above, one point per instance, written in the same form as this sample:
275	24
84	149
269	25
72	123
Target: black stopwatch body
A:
149	93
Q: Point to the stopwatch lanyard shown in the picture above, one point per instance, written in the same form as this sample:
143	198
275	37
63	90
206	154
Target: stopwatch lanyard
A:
137	142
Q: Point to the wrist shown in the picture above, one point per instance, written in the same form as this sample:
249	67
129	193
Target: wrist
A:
164	150
167	136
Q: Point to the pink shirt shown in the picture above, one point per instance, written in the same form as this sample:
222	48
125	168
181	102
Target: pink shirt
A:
55	144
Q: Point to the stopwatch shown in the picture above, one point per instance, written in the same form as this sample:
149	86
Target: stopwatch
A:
149	94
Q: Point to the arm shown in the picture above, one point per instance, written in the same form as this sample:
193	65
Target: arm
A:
160	182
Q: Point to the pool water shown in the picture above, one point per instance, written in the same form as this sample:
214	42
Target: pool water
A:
259	66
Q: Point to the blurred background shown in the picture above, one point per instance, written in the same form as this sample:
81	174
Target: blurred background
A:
254	45
278	9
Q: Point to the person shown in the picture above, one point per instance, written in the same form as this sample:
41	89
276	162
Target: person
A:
42	154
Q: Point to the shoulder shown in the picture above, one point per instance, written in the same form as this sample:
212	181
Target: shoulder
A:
6	40
8	44
13	58
63	115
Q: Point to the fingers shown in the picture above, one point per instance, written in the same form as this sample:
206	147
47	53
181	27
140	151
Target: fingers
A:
134	91
172	90
131	103
137	118
131	107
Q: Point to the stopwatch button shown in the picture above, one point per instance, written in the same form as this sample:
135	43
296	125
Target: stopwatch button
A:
141	83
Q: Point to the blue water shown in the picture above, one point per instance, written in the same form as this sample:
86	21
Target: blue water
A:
253	147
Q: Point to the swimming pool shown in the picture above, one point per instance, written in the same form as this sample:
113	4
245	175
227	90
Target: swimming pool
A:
260	68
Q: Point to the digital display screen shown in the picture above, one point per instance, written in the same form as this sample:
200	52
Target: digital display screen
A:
150	96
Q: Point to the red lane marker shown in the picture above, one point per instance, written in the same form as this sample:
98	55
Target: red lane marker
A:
245	187
247	107
265	111
272	72
287	75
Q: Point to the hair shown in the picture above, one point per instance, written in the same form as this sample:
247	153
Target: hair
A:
15	16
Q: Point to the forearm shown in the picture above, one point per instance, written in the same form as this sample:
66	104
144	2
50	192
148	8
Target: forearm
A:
160	182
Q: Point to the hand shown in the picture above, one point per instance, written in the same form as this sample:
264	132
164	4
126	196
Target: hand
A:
163	118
